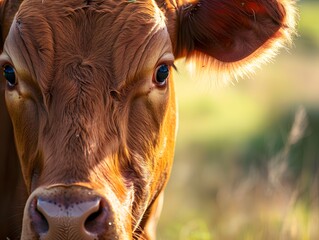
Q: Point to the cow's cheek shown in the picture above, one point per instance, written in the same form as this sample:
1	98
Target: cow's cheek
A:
163	106
24	114
166	107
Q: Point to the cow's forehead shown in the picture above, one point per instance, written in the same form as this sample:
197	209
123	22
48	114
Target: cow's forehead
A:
111	36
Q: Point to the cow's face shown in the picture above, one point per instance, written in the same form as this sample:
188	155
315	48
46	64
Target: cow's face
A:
91	98
92	105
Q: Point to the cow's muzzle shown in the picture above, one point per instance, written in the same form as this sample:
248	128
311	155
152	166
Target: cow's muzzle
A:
69	212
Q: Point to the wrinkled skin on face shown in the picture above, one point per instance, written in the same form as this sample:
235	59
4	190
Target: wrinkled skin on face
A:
89	91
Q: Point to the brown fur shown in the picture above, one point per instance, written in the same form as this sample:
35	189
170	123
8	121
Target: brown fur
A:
86	110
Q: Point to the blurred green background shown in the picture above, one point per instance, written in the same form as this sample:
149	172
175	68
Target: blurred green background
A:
247	155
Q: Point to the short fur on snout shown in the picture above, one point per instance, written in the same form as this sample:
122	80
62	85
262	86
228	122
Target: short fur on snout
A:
92	109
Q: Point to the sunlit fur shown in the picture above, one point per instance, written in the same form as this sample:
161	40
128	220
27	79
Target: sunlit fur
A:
282	19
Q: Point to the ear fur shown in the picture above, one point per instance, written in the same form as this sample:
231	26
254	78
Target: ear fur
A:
2	4
8	8
233	37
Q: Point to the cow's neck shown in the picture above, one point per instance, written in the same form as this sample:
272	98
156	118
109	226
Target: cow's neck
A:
12	189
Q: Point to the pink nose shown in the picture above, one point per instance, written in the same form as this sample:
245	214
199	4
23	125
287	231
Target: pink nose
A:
70	213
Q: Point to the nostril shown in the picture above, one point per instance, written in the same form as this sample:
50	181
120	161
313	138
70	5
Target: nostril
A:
91	221
96	221
39	222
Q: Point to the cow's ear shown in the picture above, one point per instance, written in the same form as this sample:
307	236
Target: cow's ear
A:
232	35
8	8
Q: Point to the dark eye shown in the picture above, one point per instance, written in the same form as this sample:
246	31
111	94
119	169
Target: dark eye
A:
162	73
9	75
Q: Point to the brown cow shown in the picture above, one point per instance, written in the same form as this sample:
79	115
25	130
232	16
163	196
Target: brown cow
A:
88	88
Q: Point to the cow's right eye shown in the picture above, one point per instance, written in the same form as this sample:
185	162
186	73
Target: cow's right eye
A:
162	73
9	75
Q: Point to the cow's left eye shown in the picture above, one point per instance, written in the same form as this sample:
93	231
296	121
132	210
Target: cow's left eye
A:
162	73
9	75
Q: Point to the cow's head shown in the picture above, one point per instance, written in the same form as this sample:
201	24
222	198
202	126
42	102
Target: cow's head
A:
90	93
